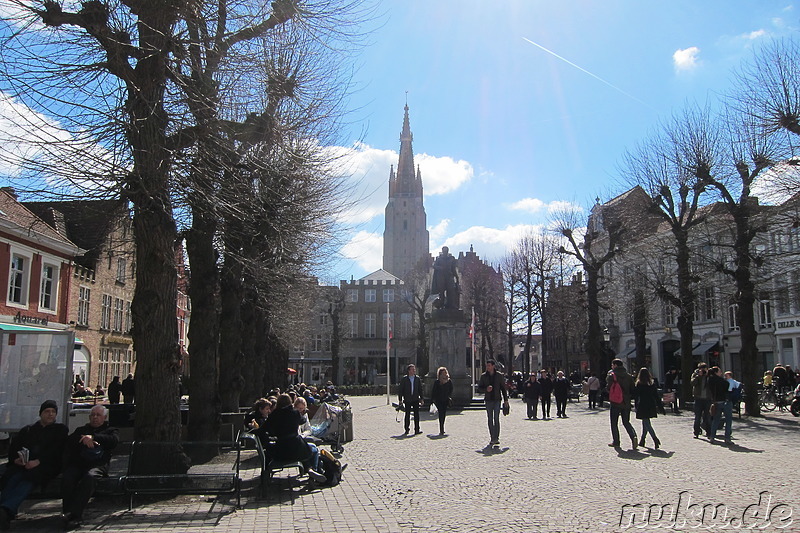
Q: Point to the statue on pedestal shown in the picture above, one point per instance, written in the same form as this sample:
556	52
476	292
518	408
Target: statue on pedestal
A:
445	281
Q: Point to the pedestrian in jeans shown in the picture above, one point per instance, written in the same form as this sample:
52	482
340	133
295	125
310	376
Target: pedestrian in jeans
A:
622	409
492	384
702	400
721	393
594	388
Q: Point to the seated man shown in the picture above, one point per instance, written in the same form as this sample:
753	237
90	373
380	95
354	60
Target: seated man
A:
87	456
284	424
34	456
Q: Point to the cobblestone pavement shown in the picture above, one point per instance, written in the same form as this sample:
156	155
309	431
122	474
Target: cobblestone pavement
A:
555	476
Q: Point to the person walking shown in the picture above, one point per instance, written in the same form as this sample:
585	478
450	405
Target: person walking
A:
114	390
546	390
441	395
702	400
594	389
620	391
647	401
410	394
721	390
492	384
561	387
129	389
531	390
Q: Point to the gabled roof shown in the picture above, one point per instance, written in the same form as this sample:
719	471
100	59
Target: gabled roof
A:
19	220
381	275
85	222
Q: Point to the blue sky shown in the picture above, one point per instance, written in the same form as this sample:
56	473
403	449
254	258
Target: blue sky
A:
517	106
504	128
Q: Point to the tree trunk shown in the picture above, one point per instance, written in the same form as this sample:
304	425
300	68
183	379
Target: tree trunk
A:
204	402
599	362
251	386
640	329
231	380
685	323
155	332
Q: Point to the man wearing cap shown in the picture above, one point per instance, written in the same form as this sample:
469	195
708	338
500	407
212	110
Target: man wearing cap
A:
34	457
87	457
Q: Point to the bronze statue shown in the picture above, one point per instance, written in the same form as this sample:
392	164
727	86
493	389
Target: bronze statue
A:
445	281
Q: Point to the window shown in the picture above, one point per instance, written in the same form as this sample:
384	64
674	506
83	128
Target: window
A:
388	295
352	320
369	295
84	296
122	265
352	295
709	304
105	312
129	318
733	317
669	315
783	301
18	280
49	288
405	325
369	325
118	315
326	343
316	343
764	313
323	319
102	370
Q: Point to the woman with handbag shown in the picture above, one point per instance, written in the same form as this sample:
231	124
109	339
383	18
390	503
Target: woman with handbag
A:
441	395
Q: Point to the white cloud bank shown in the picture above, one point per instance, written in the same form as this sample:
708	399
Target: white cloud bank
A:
366	249
536	206
686	60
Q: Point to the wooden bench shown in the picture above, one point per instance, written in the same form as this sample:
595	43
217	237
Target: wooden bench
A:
183	468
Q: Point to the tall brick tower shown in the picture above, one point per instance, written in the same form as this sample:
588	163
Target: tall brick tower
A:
405	239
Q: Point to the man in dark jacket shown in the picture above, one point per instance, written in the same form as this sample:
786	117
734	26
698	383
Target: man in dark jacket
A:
618	375
718	388
410	394
129	389
493	385
34	457
531	390
87	456
114	390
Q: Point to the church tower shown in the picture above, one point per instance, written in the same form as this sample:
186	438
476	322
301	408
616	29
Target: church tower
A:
405	239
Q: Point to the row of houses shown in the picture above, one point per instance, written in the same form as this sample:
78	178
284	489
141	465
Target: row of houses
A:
647	259
72	266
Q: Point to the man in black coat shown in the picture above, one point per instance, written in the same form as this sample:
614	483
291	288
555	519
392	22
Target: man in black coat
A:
129	389
87	456
34	457
531	389
410	395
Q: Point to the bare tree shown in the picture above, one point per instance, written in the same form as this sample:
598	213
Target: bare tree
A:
416	294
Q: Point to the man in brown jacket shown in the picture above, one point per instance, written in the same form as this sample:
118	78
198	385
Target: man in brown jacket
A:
619	376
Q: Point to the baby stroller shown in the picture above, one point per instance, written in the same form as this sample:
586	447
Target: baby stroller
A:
333	424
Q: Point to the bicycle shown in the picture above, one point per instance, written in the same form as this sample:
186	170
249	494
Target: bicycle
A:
771	397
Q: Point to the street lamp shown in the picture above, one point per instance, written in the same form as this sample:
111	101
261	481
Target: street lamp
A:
302	372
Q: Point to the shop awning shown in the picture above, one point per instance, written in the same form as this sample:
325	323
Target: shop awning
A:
628	354
703	347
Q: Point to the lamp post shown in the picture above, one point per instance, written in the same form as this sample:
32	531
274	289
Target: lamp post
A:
301	373
607	343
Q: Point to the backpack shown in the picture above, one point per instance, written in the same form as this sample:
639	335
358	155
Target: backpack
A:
331	467
615	391
735	395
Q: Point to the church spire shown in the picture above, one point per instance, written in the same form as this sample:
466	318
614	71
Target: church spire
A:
406	183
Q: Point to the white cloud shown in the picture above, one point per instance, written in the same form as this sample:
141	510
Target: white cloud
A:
686	59
439	231
491	244
441	175
366	249
753	35
536	206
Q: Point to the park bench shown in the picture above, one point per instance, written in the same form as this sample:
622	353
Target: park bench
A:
183	468
269	467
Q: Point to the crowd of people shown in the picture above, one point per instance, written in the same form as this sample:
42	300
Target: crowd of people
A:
41	451
116	390
280	421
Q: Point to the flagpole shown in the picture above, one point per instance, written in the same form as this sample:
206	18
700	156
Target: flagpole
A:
472	350
388	360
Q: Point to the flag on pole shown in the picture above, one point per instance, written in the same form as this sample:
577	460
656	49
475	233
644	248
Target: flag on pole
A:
472	325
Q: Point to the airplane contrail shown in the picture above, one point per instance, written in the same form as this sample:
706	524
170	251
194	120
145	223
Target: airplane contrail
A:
598	78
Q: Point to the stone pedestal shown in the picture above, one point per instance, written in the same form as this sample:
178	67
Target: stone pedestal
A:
447	341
